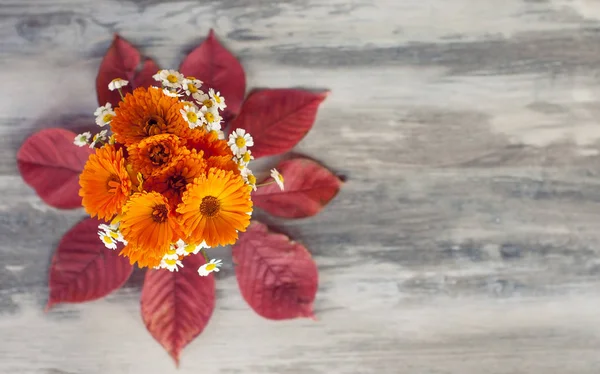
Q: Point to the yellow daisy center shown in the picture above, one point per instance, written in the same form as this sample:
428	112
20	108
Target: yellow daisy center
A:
107	239
171	262
172	78
114	235
210	267
107	118
246	157
251	179
192	88
189	248
217	98
208	103
192	117
240	142
209	116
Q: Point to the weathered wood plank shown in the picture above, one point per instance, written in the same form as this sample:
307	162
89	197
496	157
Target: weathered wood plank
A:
464	241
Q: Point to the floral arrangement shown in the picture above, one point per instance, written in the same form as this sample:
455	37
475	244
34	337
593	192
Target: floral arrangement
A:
165	178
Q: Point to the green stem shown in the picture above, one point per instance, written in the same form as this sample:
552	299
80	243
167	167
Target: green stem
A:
205	255
121	93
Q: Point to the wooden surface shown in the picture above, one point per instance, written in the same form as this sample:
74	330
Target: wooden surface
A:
466	239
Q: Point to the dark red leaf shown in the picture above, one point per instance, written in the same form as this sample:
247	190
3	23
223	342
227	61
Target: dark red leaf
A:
218	69
308	188
50	163
121	61
83	269
277	277
144	77
278	119
176	306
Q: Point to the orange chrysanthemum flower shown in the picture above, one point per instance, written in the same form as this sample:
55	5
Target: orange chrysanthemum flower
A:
148	112
173	182
223	163
156	154
105	183
214	208
149	226
209	143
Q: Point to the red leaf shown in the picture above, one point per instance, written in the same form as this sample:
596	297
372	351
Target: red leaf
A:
278	119
50	163
144	76
121	61
308	188
277	277
176	306
83	269
218	69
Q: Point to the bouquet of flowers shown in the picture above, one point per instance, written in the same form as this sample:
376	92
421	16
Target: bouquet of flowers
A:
171	181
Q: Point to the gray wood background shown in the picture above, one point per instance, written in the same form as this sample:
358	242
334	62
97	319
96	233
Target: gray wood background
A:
466	239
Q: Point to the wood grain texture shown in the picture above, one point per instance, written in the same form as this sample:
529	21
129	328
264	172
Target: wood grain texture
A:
465	240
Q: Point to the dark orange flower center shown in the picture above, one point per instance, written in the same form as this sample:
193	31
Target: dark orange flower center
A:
159	154
210	206
153	126
112	182
160	213
177	182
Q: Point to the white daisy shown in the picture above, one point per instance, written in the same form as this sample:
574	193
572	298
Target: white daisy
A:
217	99
277	177
239	141
98	138
249	178
208	268
169	78
190	115
244	159
171	93
113	231
201	97
82	139
171	262
213	119
107	239
104	115
191	85
117	83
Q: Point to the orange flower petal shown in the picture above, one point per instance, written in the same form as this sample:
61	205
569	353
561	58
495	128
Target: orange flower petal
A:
105	183
147	112
149	227
214	208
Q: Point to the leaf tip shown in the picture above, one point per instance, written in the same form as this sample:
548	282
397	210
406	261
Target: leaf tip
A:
48	306
175	356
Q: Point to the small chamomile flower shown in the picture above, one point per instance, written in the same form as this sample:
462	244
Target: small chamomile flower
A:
190	115
108	240
249	178
244	159
277	177
217	99
82	139
171	93
239	141
191	85
201	97
208	268
117	83
98	138
212	117
112	231
171	263
169	78
184	249
104	115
